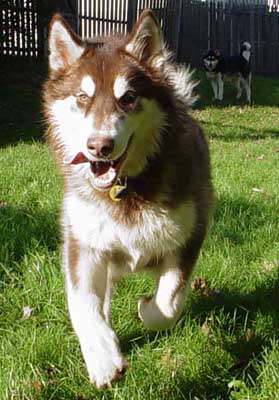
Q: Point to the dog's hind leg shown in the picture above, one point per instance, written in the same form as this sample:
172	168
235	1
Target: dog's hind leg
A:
162	311
247	86
239	88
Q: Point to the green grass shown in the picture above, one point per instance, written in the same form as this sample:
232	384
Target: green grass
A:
226	344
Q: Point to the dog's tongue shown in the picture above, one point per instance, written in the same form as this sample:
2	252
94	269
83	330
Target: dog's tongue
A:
100	167
97	167
77	159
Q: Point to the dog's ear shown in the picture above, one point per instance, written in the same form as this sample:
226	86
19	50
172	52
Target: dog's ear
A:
65	47
216	52
145	41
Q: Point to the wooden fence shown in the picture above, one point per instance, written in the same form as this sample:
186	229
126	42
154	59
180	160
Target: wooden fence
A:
190	26
225	26
21	33
102	17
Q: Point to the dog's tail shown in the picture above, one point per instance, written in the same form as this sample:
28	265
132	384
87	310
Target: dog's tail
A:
246	50
184	84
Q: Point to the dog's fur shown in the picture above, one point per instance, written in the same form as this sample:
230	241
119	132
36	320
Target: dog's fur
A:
218	67
117	97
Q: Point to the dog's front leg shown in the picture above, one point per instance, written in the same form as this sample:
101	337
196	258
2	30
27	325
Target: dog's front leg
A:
214	88
220	84
163	309
239	88
86	297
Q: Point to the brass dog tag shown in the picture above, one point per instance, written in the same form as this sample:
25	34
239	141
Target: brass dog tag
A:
115	192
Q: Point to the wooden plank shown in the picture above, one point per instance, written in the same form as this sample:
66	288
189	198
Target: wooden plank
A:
121	26
34	30
131	14
276	42
104	27
22	36
91	10
272	41
42	44
251	33
2	12
29	28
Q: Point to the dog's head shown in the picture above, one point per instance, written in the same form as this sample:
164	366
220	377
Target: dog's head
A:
107	102
211	59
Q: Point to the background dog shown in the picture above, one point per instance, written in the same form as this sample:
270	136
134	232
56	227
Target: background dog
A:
218	67
136	171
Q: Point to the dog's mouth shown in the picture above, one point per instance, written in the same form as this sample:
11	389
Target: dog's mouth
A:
104	173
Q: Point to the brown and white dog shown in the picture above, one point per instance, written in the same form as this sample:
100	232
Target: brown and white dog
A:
137	186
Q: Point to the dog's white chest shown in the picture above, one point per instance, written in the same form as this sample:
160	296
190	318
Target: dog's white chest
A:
158	232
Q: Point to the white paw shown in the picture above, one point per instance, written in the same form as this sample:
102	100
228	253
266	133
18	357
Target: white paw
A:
238	95
152	317
104	360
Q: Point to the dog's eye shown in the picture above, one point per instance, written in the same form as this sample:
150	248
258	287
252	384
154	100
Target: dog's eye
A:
127	100
82	98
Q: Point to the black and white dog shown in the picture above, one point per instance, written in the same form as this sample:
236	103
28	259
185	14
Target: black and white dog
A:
219	66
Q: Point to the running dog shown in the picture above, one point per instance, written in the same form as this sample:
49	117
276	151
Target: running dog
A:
136	172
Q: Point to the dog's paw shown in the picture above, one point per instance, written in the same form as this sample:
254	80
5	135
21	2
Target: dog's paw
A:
104	362
152	317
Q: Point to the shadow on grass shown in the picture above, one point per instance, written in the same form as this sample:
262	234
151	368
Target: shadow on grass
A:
235	218
20	102
243	349
238	133
24	230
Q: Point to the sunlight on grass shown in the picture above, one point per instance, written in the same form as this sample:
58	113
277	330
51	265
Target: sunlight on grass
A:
226	344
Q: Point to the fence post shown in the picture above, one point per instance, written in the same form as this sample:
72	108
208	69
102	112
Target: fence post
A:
177	24
252	32
42	27
132	14
69	10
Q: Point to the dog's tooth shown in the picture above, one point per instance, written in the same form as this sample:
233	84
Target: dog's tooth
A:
67	160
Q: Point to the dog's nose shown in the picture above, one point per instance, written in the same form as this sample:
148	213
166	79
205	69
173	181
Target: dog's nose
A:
100	146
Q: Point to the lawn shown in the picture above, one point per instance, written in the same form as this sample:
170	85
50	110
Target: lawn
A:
226	344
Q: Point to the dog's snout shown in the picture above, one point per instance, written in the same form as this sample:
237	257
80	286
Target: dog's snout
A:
100	146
